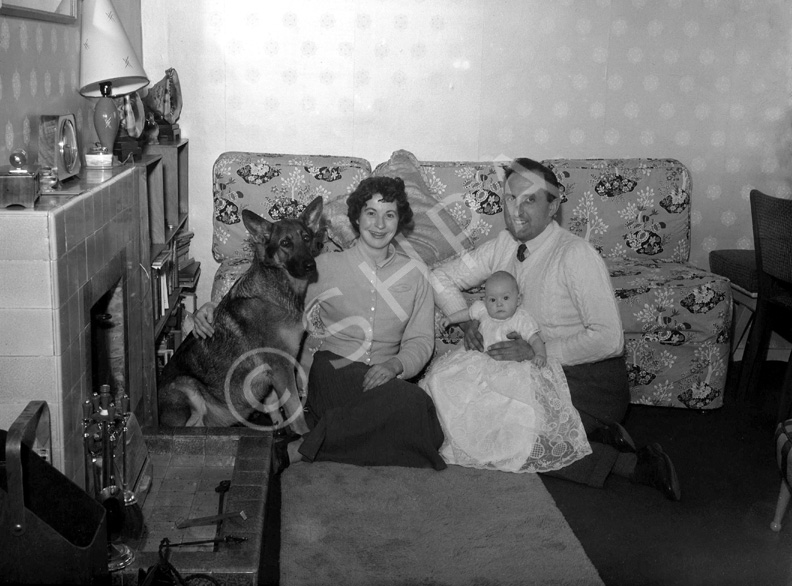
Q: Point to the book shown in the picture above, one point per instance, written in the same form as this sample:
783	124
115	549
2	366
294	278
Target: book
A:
189	275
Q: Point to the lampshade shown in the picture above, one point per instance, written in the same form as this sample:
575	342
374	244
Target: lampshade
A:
106	54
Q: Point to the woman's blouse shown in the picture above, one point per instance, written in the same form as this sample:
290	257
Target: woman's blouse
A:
372	312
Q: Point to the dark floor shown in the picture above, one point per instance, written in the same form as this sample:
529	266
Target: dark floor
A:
719	533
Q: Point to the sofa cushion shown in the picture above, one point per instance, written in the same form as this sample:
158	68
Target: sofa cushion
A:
471	192
226	275
627	208
273	186
436	234
676	319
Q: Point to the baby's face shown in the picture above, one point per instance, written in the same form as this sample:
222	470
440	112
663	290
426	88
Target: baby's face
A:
501	298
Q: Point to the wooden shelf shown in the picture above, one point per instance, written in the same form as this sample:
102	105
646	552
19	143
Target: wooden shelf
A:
165	203
175	159
173	305
156	248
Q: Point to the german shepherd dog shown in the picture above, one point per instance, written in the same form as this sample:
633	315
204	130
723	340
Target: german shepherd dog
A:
258	328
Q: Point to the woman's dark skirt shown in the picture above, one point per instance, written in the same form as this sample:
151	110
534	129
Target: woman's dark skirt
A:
394	424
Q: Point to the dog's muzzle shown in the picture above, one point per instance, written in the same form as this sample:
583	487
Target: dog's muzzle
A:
302	269
309	266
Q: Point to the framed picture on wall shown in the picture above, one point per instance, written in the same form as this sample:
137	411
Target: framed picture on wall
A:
63	11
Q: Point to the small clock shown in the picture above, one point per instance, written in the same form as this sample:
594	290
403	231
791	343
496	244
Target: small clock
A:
58	145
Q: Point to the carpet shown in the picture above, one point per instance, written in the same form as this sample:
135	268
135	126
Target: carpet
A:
370	526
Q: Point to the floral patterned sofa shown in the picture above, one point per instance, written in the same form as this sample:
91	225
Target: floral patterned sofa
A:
636	212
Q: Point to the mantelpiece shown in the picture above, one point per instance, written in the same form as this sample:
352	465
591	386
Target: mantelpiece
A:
56	261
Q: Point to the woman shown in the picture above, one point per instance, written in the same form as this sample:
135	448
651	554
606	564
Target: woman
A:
375	311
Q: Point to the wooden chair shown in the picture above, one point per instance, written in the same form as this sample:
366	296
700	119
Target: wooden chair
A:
739	266
772	228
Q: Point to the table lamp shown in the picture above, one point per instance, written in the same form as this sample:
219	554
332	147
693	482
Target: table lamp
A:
109	67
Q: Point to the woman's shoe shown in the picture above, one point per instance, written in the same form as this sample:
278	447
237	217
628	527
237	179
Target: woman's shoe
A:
279	457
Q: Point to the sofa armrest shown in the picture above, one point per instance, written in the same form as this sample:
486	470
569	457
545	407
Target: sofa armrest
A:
227	274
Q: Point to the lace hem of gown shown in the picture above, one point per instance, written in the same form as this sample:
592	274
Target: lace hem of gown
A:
509	416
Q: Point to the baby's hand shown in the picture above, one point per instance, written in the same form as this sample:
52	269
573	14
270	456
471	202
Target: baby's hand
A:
445	322
540	361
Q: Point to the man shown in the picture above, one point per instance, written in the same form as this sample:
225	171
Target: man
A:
567	288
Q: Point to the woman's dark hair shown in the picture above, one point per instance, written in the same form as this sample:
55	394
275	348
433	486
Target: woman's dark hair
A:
535	167
391	189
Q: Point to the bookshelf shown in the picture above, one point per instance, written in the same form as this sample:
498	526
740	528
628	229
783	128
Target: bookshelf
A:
168	221
172	272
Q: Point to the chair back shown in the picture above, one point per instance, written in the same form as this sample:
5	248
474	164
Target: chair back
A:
772	228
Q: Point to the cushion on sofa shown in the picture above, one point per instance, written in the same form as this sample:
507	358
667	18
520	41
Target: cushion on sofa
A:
627	208
471	192
436	235
676	320
273	186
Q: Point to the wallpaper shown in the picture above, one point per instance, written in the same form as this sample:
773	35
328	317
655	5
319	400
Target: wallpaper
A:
39	74
703	81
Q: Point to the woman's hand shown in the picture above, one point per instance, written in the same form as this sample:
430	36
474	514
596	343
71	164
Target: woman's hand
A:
204	318
515	350
473	338
379	374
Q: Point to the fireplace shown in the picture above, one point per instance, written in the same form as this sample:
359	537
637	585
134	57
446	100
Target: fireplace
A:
108	341
71	274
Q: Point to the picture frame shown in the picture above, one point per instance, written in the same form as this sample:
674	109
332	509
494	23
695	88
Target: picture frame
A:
60	11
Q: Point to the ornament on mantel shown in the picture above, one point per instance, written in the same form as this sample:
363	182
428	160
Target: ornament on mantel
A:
164	100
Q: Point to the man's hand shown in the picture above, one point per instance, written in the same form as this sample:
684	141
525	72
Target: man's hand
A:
473	338
379	374
515	350
204	318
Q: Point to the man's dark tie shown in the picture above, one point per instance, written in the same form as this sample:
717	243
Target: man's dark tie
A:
522	252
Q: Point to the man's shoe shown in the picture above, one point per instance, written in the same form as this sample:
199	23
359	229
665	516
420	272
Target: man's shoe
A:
614	435
654	468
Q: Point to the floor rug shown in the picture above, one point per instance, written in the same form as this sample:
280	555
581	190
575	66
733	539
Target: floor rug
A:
371	526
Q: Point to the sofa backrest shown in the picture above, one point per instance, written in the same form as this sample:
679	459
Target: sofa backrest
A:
627	208
273	186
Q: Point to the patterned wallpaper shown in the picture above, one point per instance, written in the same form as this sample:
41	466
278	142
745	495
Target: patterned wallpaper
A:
39	74
704	81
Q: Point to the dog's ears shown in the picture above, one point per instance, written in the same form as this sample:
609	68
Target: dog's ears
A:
312	215
259	228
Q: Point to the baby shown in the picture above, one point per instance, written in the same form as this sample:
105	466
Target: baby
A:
500	314
502	414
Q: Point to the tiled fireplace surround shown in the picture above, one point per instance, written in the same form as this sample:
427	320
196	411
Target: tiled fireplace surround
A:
56	261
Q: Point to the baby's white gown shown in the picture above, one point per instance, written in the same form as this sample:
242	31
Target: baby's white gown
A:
503	415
